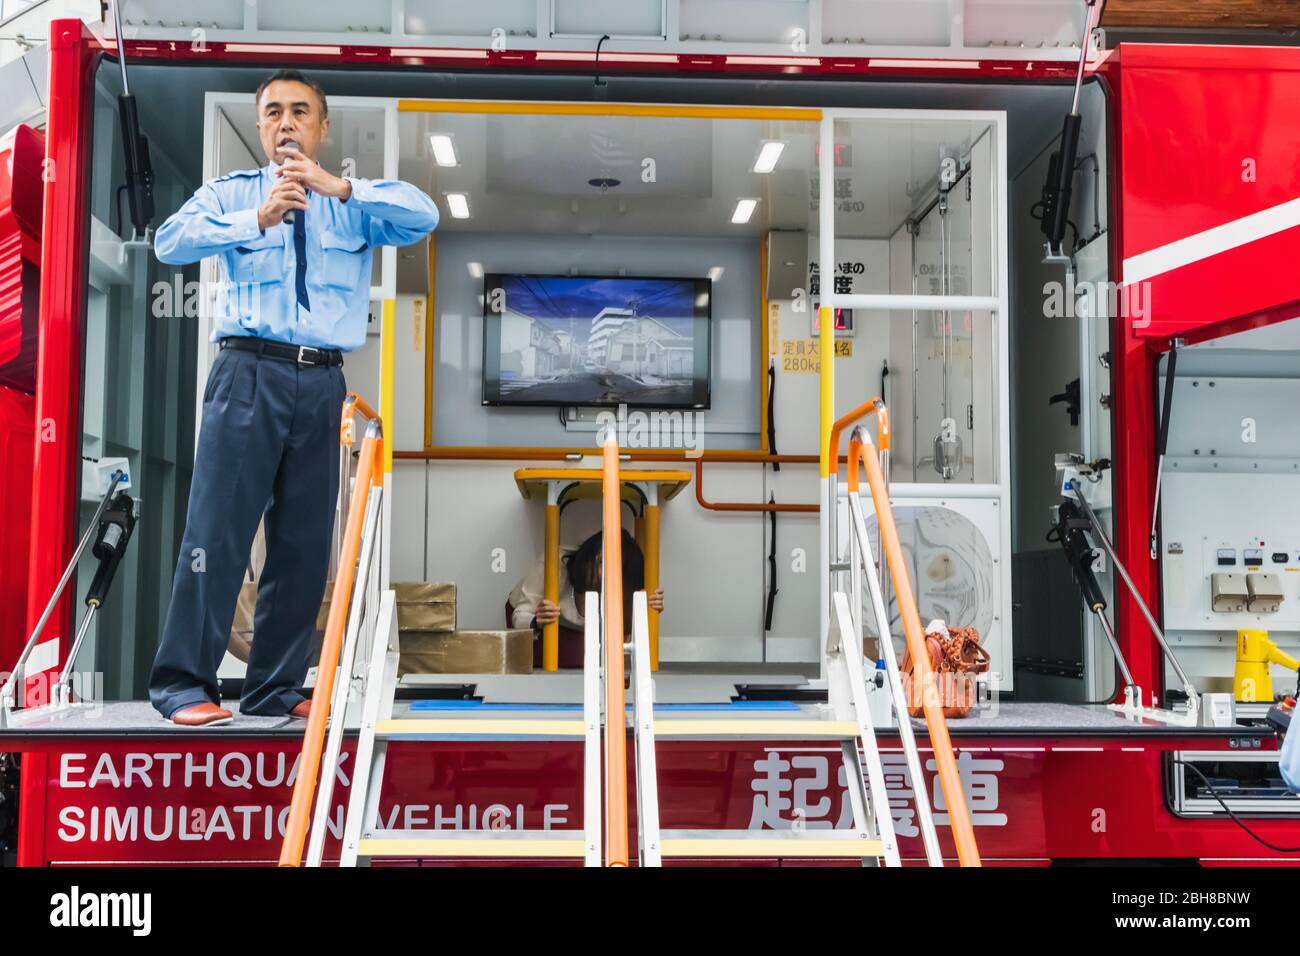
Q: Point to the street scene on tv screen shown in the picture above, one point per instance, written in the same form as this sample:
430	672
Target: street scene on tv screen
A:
563	340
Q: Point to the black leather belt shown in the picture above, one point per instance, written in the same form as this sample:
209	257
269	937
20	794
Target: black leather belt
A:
301	354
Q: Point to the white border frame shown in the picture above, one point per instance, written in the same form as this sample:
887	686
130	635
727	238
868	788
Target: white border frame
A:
998	305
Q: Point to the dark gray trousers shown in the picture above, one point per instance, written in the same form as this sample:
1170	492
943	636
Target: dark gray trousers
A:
268	442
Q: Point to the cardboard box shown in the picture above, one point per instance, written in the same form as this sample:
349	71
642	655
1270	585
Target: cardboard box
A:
425	605
421	606
466	652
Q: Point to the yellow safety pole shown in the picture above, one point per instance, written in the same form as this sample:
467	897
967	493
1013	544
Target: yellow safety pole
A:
826	370
551	587
652	577
616	843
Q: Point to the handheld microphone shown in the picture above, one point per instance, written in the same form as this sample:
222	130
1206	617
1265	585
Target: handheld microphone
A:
293	145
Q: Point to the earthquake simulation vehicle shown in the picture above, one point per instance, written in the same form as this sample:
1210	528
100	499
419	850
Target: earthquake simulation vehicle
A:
1055	279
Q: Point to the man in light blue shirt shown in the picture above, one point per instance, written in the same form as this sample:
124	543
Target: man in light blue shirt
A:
295	245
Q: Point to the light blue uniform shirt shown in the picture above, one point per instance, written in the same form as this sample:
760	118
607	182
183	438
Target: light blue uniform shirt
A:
258	291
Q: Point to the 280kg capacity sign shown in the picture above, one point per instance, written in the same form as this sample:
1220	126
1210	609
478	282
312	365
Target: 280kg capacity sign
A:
803	356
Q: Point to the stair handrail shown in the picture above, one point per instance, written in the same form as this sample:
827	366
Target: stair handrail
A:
616	843
863	453
369	475
863	564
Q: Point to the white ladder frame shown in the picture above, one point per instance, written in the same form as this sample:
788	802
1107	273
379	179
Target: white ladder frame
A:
371	753
361	614
861	559
643	721
846	692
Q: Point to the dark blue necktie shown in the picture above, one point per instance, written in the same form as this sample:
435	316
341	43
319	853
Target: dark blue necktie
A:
300	251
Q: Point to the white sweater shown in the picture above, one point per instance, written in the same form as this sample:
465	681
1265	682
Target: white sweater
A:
528	593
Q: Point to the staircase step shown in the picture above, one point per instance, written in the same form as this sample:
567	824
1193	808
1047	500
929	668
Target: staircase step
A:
805	844
756	729
556	844
442	727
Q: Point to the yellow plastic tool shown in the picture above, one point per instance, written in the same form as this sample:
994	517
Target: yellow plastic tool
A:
1251	681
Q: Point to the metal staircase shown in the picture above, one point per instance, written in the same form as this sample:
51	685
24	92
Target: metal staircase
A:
364	839
844	719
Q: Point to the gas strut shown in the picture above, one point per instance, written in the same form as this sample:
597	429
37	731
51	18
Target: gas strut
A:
1132	692
139	170
112	525
115	527
1070	527
1060	168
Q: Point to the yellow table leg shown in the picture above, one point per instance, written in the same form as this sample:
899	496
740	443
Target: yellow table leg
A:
652	576
551	590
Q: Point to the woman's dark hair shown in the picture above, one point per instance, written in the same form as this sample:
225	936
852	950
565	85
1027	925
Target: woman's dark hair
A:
583	565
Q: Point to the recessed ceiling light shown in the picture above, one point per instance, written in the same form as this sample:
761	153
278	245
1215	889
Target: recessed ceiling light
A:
768	154
444	150
458	203
744	209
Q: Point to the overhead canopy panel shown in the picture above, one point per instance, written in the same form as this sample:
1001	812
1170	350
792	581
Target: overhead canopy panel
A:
1044	30
1211	188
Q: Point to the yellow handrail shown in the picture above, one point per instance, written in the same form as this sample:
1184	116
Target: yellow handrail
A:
615	700
369	475
863	452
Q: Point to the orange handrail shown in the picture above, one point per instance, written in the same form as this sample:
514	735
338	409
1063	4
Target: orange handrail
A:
354	400
876	405
615	701
313	741
862	451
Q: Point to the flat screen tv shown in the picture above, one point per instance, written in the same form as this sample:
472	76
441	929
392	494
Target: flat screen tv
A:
596	341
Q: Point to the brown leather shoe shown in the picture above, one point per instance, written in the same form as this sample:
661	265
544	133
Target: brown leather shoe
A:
301	710
205	714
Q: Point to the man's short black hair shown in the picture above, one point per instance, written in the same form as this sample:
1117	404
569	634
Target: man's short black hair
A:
295	77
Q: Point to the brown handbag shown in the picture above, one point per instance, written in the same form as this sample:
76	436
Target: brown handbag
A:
955	660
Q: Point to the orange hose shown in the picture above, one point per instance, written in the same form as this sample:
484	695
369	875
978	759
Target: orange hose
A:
746	506
313	740
615	701
949	778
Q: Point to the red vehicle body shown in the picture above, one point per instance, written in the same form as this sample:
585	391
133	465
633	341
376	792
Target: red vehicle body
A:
1187	122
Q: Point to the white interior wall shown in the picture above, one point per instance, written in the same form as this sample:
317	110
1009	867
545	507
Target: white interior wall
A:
1233	463
714	564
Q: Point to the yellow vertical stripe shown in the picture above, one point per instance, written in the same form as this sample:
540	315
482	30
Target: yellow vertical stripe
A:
429	318
388	345
764	347
827	359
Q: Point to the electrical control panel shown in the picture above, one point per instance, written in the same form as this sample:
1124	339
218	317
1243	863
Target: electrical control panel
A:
1231	551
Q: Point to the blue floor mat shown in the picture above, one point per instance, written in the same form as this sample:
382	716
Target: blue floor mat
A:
478	705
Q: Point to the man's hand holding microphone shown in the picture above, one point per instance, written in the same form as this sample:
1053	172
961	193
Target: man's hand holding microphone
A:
297	175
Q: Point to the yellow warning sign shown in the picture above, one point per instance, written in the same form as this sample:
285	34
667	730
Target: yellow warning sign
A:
803	356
